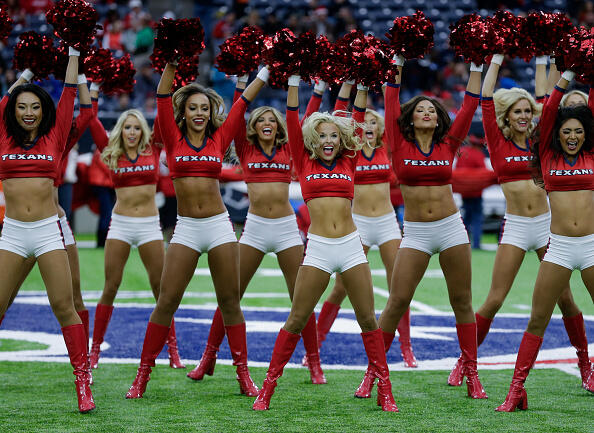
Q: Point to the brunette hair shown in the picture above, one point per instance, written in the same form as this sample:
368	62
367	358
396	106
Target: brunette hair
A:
48	113
217	107
405	120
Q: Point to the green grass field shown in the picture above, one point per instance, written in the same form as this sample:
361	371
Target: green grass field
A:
36	396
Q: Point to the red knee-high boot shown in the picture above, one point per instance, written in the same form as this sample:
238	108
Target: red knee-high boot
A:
527	353
482	329
576	332
326	319
468	346
366	385
84	317
154	340
312	352
74	337
375	349
281	354
236	337
102	317
404	338
209	357
172	350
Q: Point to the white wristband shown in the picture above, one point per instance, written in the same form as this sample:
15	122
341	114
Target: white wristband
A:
243	78
73	52
542	60
398	60
82	79
27	74
568	75
320	86
552	60
349	82
263	74
362	87
497	59
173	63
294	80
95	87
475	68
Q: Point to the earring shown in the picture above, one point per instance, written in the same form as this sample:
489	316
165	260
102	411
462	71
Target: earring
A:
411	124
436	125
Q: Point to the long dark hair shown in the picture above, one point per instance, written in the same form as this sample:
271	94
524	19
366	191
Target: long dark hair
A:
48	112
581	113
405	120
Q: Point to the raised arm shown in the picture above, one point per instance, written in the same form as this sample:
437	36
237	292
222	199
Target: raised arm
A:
540	78
315	101
549	112
293	126
166	81
461	125
392	107
492	131
65	107
553	77
85	114
491	76
344	95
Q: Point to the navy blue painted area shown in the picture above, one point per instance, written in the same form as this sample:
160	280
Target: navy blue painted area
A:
127	328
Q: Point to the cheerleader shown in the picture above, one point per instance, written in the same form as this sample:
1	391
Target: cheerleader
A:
195	141
565	158
508	122
271	225
424	142
33	135
325	155
376	221
132	156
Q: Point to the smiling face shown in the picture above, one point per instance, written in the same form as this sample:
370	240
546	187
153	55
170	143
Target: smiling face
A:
197	112
131	132
572	136
329	141
519	116
371	128
266	127
425	115
28	112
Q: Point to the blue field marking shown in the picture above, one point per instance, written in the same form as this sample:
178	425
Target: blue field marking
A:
438	339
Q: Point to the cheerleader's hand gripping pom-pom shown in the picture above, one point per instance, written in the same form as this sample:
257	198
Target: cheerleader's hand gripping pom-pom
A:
75	22
26	75
241	53
34	52
411	36
263	74
575	52
179	38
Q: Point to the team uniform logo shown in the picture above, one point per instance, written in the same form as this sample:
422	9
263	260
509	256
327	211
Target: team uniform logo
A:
431	163
24	156
328	176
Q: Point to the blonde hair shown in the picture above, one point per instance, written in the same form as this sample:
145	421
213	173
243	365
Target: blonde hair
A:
217	107
573	92
381	126
281	126
346	130
504	99
115	147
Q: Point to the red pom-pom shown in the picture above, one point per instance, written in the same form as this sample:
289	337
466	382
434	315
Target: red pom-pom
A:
98	64
506	27
473	38
282	55
179	38
35	52
545	30
332	66
5	24
121	78
74	21
576	52
185	73
241	53
411	36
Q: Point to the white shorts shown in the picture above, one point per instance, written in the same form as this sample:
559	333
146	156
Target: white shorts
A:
377	230
66	231
270	234
334	254
135	231
571	252
524	232
203	234
32	238
435	236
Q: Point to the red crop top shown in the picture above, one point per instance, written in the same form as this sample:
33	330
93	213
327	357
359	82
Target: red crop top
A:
143	170
509	161
186	160
558	173
317	179
413	167
42	157
376	169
